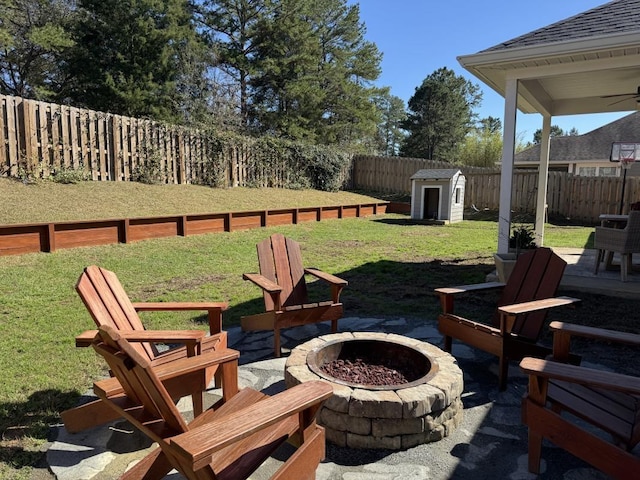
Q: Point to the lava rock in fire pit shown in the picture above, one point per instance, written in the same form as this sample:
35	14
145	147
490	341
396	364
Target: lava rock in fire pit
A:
363	372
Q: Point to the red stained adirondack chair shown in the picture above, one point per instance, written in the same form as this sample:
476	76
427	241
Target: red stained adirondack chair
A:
522	308
228	443
108	304
282	279
607	404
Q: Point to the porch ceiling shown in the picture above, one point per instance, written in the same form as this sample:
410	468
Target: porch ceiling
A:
565	78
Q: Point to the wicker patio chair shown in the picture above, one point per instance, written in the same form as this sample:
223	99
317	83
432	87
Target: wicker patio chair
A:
624	241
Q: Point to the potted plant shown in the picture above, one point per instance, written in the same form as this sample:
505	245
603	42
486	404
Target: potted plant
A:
522	238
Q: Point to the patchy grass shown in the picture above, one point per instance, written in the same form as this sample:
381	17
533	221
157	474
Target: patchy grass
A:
391	263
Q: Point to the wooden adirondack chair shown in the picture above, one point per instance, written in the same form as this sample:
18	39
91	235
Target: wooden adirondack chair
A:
108	304
228	443
606	404
519	318
282	279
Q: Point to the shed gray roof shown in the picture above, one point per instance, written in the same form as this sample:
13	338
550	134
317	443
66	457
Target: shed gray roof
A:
435	174
595	145
614	17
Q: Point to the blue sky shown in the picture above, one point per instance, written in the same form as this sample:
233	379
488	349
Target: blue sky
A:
418	37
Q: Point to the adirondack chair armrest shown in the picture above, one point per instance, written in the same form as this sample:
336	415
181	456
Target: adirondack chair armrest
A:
187	365
552	370
563	332
596	333
327	277
85	339
469	288
266	285
192	339
447	294
535	305
337	283
111	386
214	310
263	282
509	313
197	445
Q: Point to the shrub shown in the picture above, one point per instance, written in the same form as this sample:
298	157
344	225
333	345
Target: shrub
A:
69	175
149	171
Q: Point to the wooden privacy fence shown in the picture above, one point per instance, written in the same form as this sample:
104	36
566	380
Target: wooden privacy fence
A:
573	197
392	174
39	138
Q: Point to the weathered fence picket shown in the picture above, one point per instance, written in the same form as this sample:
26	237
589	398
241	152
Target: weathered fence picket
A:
573	197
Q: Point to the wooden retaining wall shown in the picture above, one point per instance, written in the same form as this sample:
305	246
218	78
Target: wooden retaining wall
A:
49	237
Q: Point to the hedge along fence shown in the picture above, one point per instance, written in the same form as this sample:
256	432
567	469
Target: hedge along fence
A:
41	139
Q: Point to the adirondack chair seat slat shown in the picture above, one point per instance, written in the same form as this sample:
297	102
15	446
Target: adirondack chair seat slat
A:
286	300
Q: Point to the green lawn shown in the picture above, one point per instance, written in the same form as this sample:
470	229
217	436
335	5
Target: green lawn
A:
392	266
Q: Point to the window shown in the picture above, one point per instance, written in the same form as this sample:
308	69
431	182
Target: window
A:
608	172
587	171
458	195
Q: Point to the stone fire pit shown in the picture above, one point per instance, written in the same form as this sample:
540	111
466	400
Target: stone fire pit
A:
425	409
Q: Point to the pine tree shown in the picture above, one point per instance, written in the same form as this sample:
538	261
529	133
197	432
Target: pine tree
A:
230	29
440	116
126	58
314	72
34	34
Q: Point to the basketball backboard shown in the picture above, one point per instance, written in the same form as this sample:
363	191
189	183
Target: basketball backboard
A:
625	152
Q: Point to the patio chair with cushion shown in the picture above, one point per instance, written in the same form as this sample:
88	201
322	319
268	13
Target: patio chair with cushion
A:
593	414
522	309
624	241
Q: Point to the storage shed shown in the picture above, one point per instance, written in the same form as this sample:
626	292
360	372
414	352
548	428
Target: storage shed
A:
438	195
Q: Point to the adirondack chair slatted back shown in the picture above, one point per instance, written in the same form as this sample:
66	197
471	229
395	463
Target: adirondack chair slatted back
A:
536	275
109	304
280	261
141	385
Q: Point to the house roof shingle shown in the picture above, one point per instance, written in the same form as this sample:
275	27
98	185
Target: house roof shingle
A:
615	17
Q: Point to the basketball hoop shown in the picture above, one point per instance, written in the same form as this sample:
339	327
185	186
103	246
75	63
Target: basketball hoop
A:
627	157
626	154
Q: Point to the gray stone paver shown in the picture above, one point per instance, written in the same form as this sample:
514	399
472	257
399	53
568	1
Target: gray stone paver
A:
488	443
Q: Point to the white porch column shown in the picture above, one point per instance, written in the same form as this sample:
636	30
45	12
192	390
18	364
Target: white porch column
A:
543	176
506	174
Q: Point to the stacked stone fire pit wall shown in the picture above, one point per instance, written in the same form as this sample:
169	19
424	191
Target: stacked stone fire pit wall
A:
385	419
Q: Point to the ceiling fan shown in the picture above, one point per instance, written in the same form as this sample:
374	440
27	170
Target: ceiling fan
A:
627	96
